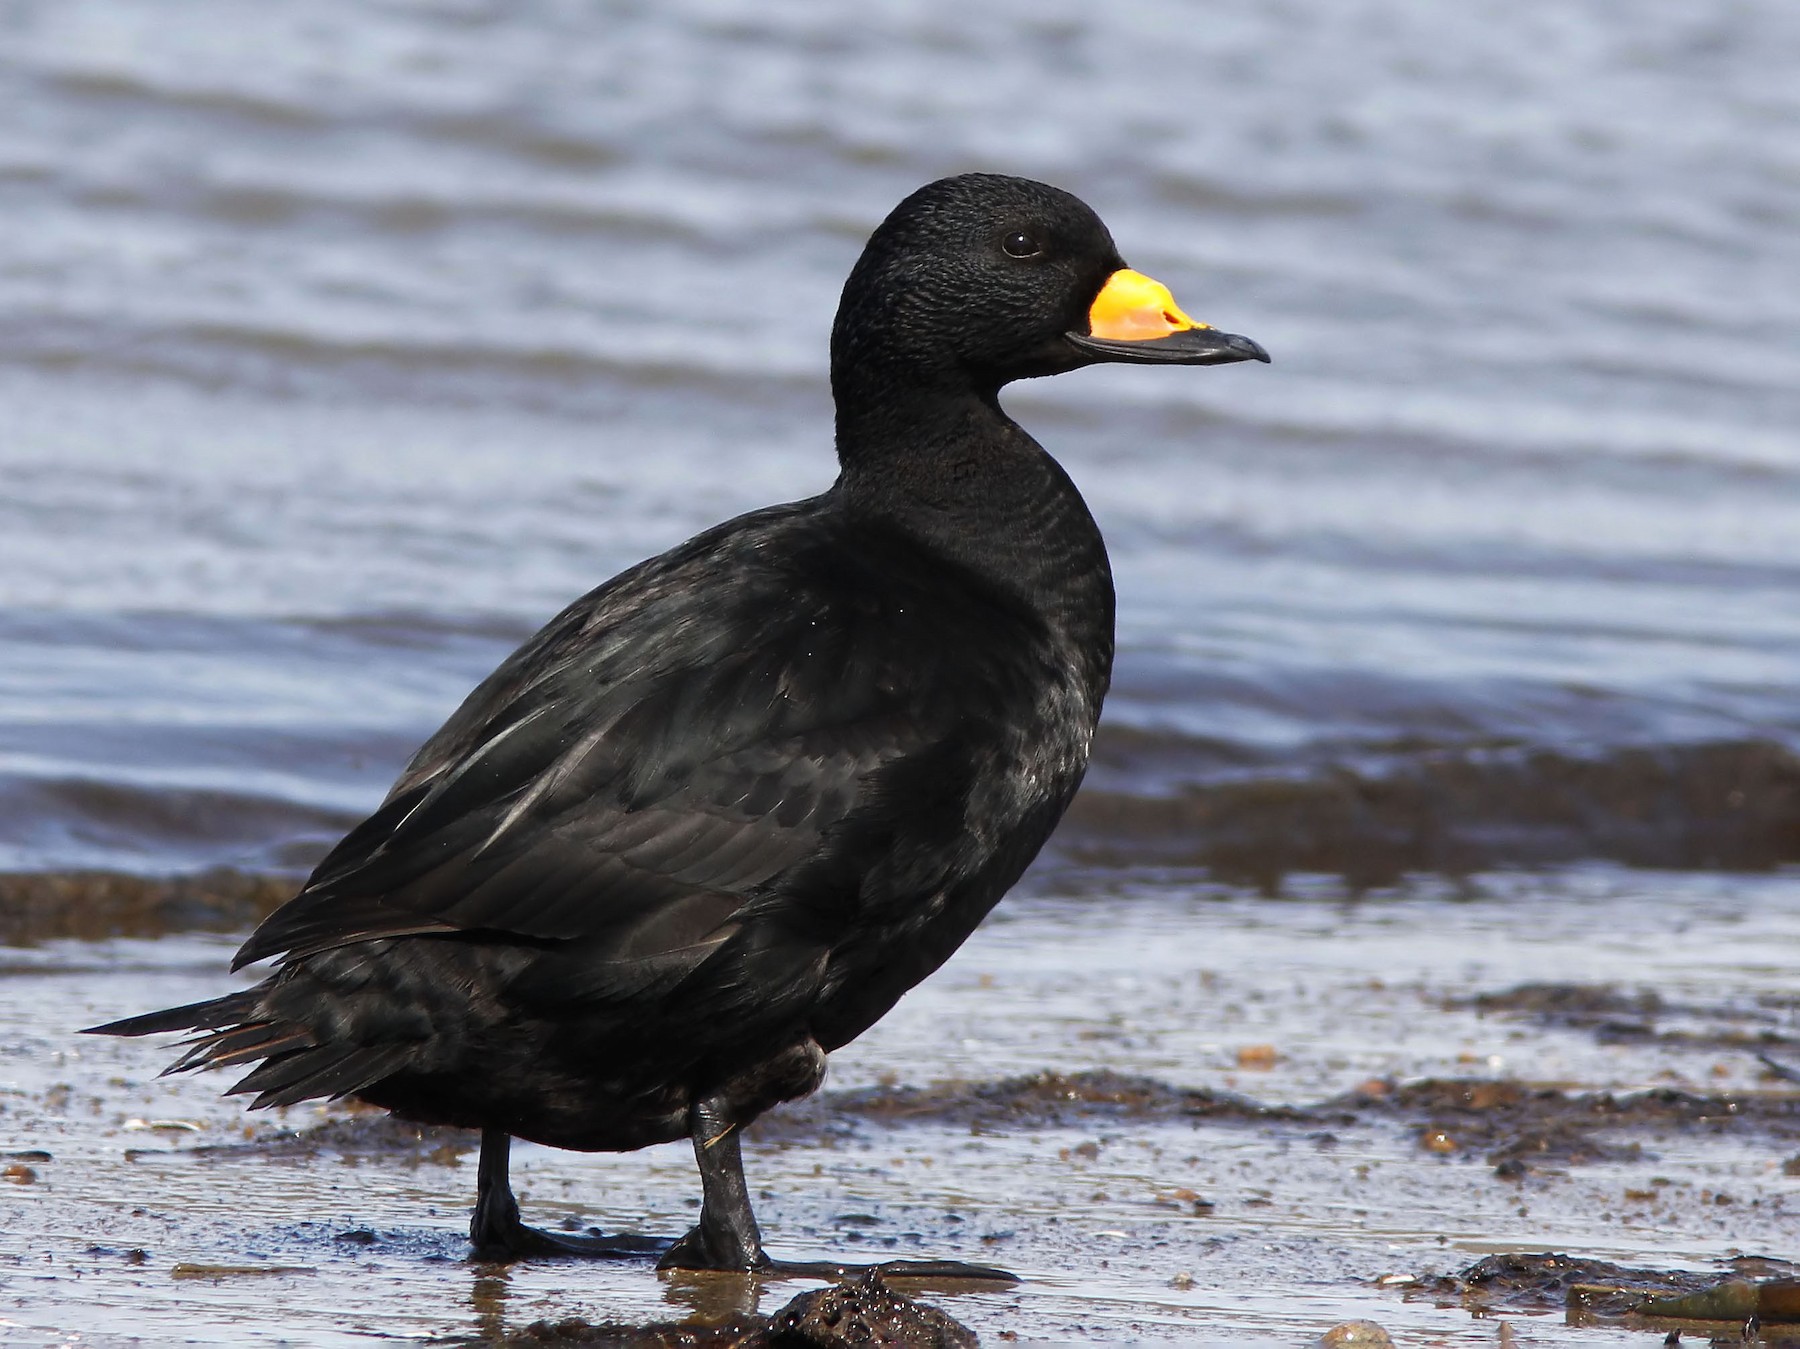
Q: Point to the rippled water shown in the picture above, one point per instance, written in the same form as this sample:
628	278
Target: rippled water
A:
340	344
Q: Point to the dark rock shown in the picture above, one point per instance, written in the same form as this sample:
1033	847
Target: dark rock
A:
1599	1292
867	1314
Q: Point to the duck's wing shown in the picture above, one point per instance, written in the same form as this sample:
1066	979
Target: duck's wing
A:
649	763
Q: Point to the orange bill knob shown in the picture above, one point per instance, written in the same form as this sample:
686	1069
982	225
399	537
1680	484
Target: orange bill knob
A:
1132	307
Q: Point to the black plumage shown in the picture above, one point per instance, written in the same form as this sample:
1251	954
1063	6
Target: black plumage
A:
716	817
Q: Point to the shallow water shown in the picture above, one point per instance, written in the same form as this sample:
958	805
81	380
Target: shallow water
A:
1163	980
342	344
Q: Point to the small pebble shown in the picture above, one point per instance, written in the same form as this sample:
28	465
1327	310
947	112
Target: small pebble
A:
189	1270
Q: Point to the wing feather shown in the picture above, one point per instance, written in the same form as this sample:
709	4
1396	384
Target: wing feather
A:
664	751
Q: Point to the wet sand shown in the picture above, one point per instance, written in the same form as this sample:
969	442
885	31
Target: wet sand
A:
1179	1112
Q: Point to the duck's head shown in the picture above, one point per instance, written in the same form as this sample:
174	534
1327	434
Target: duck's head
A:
982	279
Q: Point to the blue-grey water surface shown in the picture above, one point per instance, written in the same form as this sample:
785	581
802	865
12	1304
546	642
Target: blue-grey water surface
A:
342	343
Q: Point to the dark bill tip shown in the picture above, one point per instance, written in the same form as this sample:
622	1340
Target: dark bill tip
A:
1194	346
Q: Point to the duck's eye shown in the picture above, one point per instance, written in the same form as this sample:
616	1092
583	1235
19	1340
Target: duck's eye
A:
1019	244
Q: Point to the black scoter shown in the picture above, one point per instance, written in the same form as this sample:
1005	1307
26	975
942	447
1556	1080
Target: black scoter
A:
716	817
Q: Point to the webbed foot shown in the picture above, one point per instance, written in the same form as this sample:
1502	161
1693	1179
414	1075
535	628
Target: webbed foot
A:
947	1271
519	1242
699	1250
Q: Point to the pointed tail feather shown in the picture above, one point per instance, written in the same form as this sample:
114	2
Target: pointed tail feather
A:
238	1029
231	1010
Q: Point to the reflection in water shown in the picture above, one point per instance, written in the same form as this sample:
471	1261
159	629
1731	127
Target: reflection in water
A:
694	1297
487	1298
710	1297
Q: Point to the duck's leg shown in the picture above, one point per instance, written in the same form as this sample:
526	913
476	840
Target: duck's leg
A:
497	1234
496	1216
727	1237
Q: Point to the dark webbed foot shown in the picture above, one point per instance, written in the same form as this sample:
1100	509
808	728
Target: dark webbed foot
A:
497	1234
936	1271
691	1252
520	1242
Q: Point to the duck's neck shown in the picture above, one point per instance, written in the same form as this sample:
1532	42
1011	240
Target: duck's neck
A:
949	467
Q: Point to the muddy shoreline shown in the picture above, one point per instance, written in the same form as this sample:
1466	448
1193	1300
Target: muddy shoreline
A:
1180	1112
37	907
